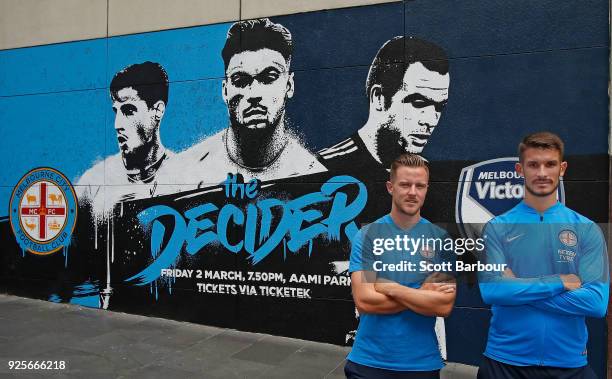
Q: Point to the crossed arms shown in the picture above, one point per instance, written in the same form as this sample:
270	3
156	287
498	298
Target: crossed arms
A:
584	294
434	298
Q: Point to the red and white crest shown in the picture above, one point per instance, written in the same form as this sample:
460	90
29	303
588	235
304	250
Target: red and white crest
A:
42	211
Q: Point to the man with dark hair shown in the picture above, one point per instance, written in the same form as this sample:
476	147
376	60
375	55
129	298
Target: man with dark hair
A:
407	89
397	304
255	35
556	275
139	94
258	83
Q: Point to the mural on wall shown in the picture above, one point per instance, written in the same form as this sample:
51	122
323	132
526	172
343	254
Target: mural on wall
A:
407	88
139	95
219	173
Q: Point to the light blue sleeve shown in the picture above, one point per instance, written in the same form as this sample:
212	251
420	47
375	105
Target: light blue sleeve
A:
591	299
499	290
359	262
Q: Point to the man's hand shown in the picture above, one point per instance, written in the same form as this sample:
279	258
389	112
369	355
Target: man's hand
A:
570	281
443	287
440	283
508	273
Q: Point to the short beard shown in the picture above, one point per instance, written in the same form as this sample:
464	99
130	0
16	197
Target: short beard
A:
255	147
389	144
139	157
528	189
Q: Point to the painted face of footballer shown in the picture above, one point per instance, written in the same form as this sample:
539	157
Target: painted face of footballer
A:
542	169
417	106
134	122
408	190
256	88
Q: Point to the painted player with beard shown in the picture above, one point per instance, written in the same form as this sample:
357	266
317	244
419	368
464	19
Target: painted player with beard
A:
258	142
139	95
407	89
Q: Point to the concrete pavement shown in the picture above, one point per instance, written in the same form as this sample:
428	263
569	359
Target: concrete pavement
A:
100	344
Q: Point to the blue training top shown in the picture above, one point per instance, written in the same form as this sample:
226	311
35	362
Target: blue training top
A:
405	341
535	320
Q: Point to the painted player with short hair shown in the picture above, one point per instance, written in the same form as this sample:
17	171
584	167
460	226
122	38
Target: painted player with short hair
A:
407	89
258	141
139	95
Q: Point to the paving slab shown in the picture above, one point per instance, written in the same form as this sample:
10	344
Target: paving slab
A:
101	344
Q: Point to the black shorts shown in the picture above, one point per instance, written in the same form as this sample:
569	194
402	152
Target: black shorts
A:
354	370
492	369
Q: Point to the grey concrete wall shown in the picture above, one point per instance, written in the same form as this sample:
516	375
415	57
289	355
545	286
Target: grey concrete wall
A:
137	16
267	8
39	22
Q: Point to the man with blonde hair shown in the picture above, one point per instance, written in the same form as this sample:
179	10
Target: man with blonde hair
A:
397	298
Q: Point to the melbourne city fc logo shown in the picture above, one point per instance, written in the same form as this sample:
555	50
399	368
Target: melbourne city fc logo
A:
568	238
43	211
428	253
488	189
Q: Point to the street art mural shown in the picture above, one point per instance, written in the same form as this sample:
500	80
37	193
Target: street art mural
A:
217	174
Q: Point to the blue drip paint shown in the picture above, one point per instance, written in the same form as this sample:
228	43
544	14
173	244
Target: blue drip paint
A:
284	249
309	248
22	252
66	251
157	236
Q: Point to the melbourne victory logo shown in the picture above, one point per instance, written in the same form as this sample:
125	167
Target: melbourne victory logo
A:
488	189
43	211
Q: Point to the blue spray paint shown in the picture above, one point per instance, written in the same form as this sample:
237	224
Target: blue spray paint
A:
170	253
298	225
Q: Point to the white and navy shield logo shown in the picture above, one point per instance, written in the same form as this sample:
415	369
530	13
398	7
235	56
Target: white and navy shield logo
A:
568	238
488	189
43	211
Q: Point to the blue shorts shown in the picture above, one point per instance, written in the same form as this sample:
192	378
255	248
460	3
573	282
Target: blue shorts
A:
492	369
354	370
